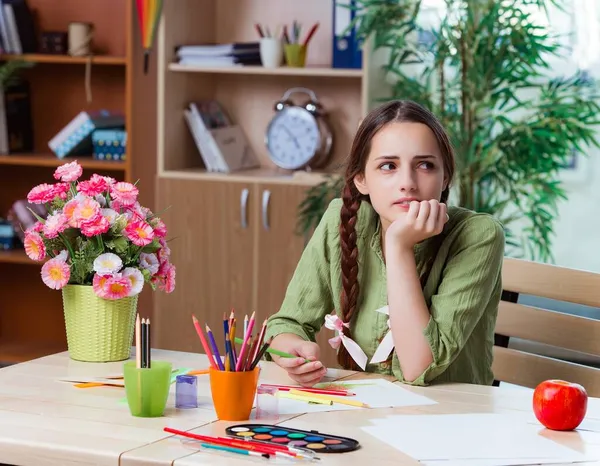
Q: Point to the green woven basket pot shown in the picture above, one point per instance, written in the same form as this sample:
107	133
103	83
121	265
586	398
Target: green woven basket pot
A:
98	330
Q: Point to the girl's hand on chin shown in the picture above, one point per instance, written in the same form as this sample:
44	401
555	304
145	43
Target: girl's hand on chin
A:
423	220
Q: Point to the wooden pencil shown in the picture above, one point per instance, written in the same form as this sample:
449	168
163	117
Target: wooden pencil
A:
138	342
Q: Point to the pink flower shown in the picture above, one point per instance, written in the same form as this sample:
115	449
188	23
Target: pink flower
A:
94	186
68	172
56	273
87	210
55	224
139	232
124	193
160	229
61	190
42	194
34	245
37	226
168	284
136	278
164	252
96	226
117	286
98	283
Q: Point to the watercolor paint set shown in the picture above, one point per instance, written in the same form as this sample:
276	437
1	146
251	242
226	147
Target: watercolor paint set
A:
278	435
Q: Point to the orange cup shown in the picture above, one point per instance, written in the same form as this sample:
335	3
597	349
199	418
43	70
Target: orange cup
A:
233	393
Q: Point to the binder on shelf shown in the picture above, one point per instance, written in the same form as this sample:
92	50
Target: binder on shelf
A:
347	51
223	146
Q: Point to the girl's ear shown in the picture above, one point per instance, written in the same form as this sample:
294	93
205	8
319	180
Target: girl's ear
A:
359	182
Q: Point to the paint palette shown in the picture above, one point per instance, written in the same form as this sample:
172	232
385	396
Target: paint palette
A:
311	440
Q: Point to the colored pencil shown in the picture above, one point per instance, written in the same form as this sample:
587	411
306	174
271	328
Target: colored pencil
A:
199	372
259	30
215	348
244	347
287	388
204	343
286	37
306	398
138	342
343	401
311	33
260	354
235	450
259	341
148	345
229	355
275	352
248	445
231	340
144	343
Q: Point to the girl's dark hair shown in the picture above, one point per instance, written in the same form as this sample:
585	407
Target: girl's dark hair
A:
391	112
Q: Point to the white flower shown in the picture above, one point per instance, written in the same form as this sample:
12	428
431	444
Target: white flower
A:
136	278
107	264
62	256
110	215
101	200
149	262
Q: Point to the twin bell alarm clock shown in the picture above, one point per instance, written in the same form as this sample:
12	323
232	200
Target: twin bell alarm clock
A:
298	137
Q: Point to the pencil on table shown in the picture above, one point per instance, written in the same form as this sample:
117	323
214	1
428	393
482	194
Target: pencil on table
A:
343	401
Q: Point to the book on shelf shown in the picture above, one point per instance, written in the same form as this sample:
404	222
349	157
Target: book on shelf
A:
16	127
235	54
17	27
222	145
76	137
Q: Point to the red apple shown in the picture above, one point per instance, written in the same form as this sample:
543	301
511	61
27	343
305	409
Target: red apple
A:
560	405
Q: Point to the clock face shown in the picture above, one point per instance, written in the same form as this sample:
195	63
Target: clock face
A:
293	138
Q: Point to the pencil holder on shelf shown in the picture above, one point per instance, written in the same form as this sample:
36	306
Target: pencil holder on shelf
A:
233	393
295	55
271	52
147	389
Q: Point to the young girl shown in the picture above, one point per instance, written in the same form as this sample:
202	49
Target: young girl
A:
391	245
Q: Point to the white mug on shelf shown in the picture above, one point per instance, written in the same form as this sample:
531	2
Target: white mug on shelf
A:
271	52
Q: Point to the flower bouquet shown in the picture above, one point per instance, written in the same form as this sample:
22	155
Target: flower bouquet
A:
100	247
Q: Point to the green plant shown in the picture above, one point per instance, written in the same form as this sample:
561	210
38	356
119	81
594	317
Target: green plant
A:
9	71
485	73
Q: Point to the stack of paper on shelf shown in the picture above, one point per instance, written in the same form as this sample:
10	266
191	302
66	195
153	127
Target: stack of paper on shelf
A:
235	54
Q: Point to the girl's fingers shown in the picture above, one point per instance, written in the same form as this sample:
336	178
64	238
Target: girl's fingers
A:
442	217
424	208
432	220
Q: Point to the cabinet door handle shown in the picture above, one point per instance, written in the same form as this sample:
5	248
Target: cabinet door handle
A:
266	196
244	207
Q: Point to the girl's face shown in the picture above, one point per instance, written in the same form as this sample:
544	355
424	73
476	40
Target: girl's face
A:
405	164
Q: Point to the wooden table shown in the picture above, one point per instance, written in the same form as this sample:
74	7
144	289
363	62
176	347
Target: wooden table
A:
44	421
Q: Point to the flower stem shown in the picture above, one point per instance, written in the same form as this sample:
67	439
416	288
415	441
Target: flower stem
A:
68	245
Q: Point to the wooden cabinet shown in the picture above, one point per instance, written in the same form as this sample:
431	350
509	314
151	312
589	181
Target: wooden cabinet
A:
235	246
213	250
279	248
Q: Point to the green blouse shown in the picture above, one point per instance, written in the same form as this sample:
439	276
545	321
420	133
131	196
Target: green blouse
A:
462	292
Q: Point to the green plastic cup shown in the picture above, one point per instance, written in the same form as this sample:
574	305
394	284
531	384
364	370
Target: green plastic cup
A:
147	389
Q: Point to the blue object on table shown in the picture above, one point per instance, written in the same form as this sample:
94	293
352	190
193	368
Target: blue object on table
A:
109	144
186	391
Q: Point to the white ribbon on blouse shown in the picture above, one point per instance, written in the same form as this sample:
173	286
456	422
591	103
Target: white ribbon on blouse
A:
333	322
387	344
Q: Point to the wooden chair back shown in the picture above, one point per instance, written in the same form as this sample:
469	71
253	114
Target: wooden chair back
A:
570	332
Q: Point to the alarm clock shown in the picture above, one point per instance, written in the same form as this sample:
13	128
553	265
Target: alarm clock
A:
298	136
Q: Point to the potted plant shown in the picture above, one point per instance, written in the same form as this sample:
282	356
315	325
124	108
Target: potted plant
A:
100	247
486	70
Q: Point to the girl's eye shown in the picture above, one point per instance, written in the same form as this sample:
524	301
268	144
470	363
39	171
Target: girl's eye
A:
387	166
426	165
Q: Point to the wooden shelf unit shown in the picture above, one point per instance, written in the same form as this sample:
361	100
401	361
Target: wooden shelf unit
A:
32	321
236	245
66	59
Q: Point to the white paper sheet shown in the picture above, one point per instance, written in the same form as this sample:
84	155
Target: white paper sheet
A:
377	393
487	439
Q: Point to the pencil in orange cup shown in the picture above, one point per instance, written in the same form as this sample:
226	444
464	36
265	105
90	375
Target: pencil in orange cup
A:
204	343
